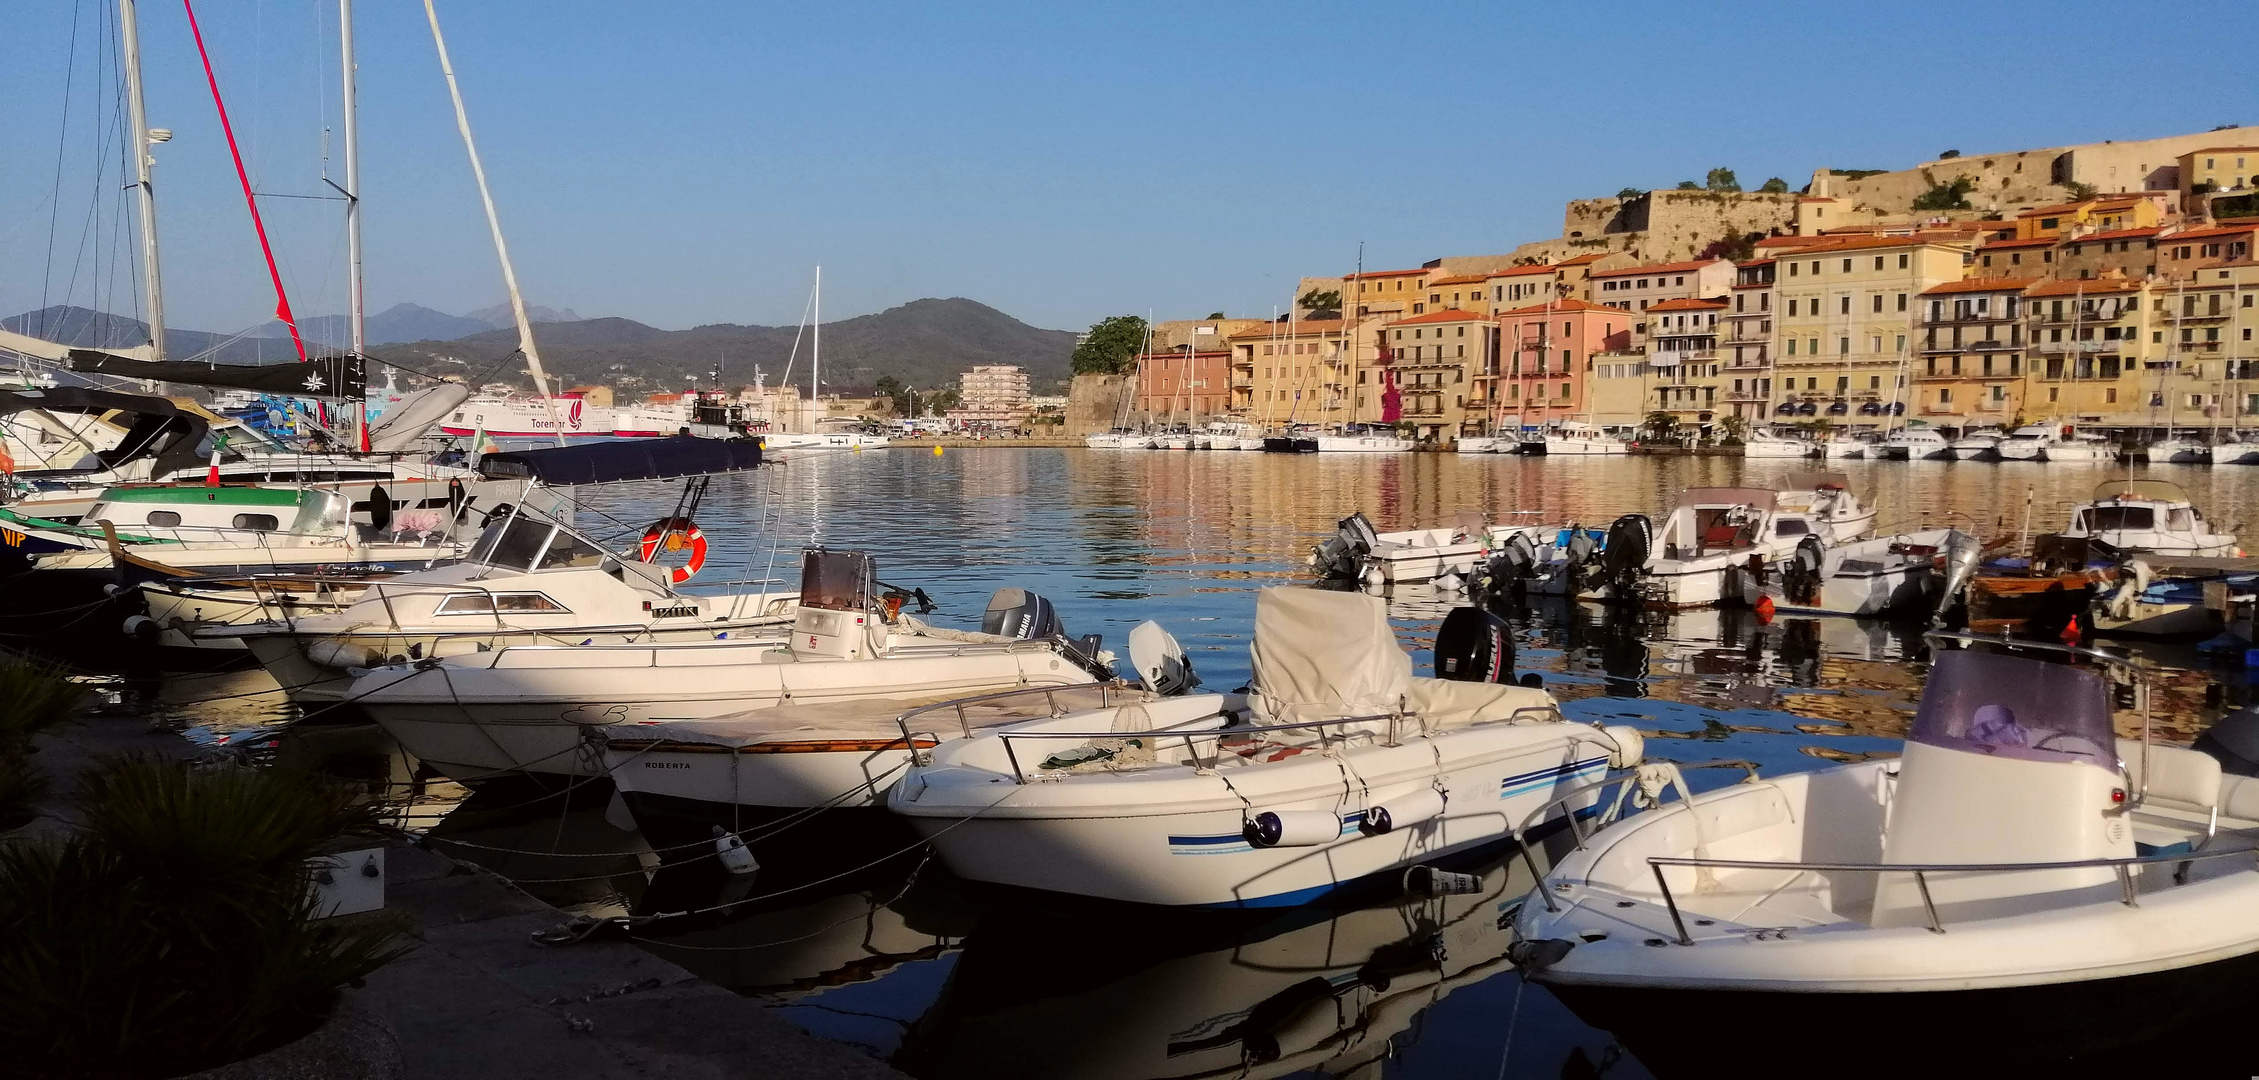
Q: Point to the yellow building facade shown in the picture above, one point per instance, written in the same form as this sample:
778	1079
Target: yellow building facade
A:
1845	319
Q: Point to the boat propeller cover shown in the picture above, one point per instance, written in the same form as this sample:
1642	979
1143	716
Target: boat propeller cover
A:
1021	613
1474	646
1160	662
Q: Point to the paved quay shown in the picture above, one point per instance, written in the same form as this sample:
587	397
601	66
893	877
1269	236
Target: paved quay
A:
477	998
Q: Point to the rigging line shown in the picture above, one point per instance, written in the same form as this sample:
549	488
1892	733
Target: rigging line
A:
258	224
62	140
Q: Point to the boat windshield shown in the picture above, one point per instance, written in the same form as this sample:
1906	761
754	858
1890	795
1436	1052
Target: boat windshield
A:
571	549
512	544
2110	518
2011	706
321	511
836	580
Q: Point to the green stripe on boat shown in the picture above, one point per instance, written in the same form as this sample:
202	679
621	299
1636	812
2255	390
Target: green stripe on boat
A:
189	493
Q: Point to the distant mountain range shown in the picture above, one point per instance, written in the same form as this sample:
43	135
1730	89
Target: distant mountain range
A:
925	343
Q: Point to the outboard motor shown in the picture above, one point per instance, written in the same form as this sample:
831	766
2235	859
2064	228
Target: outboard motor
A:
1474	646
2234	741
1962	556
1801	578
1160	662
1630	539
1344	554
1021	613
1512	566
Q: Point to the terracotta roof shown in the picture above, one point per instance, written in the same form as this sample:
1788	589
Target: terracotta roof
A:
1464	279
1977	285
1562	307
1446	315
2037	241
1583	259
1790	241
1756	262
1830	245
2085	286
2223	150
1388	273
2119	234
2206	234
1305	328
1518	271
2112	203
1659	268
1687	304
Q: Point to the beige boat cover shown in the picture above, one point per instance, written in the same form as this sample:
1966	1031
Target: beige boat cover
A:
868	718
1443	703
1320	654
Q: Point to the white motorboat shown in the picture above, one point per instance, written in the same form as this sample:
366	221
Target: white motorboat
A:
1844	447
1254	442
2239	449
526	581
1713	548
1826	501
2017	845
824	440
1361	439
526	707
2048	441
1358	553
1771	444
1579	438
1172	440
2148	517
1880	576
1917	444
1231	800
1229	435
1979	445
2175	450
1485	444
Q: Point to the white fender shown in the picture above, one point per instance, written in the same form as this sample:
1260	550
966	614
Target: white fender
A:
1410	808
1293	828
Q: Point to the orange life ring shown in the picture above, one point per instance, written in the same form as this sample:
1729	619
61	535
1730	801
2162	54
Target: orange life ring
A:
675	532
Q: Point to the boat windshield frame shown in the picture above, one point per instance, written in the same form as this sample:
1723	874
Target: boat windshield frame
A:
1961	710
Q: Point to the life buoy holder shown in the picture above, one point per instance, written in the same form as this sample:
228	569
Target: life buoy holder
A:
675	533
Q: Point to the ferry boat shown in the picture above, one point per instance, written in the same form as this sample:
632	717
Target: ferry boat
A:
516	417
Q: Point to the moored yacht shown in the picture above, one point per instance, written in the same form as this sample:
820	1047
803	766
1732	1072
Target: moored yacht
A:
2148	517
1238	800
1982	444
1765	443
2176	450
1917	444
1581	438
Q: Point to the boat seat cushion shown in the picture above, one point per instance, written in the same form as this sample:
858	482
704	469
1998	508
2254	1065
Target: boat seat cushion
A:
2179	777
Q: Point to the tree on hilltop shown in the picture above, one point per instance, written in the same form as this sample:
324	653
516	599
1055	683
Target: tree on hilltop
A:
1315	300
1689	185
1722	179
1774	186
1111	346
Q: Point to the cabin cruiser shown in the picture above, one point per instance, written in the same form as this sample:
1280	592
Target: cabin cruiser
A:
526	581
1982	444
1845	446
2175	450
1579	438
1825	499
1362	439
1238	800
2045	441
1881	576
2147	517
1917	444
1358	553
526	707
1772	444
2018	844
1229	435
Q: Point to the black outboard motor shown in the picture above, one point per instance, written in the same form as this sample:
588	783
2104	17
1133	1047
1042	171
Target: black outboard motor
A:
1630	540
1022	614
1344	554
1512	566
2234	740
1800	575
1474	646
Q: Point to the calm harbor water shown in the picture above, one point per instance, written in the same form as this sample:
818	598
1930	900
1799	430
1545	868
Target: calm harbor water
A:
948	981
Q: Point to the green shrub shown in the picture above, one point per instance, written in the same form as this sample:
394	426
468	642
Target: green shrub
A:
34	697
175	930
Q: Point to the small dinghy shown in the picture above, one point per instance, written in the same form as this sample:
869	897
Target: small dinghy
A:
2019	860
1358	553
1710	550
1336	765
1882	576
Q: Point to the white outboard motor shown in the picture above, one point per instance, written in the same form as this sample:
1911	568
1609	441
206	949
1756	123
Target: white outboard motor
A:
1160	662
1343	555
1021	613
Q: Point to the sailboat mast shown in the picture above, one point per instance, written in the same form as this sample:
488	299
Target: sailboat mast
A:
356	315
494	225
816	363
138	140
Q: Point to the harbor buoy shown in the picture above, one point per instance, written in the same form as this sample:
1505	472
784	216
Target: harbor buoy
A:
937	449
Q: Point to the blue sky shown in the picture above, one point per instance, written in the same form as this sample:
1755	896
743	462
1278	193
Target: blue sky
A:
681	163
